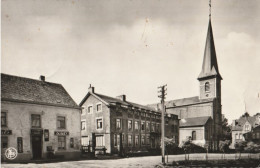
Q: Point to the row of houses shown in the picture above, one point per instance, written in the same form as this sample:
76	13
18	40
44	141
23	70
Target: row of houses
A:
39	117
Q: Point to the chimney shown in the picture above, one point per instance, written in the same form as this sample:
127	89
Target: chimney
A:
91	89
121	97
234	123
42	78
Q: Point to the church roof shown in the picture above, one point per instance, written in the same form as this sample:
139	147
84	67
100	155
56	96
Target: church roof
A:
181	102
194	122
14	88
210	64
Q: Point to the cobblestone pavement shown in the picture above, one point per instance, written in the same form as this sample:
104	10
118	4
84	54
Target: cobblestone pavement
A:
140	162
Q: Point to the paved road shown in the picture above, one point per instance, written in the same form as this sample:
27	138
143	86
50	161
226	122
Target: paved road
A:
141	162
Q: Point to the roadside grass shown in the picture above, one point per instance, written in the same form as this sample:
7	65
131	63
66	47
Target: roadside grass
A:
214	163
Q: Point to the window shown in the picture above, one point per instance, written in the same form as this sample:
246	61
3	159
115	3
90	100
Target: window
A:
83	125
61	122
158	127
147	126
207	87
143	126
36	120
136	125
90	109
100	140
253	136
129	140
99	107
193	135
4	142
130	124
99	123
153	127
3	119
123	138
84	141
72	142
148	139
240	136
115	140
173	139
236	136
246	127
257	135
136	140
61	142
143	140
118	123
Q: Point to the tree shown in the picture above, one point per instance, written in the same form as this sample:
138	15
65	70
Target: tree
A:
187	146
226	129
240	146
224	146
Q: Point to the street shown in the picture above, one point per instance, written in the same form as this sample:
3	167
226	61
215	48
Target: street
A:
147	161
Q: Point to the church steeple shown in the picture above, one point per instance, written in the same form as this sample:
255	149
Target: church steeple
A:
209	77
210	64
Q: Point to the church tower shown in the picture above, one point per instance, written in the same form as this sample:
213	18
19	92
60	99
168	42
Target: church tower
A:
209	77
210	83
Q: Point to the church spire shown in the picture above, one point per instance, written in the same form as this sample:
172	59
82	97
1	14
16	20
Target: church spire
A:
210	64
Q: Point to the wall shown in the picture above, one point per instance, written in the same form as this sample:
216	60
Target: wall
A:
190	111
91	125
19	121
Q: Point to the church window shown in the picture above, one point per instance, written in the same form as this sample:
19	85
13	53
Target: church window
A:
207	87
193	135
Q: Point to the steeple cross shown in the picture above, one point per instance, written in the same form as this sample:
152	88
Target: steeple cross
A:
209	8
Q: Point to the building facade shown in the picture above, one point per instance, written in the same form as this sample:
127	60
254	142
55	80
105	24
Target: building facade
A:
208	103
38	117
120	126
242	128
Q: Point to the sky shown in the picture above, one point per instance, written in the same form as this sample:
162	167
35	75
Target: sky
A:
131	47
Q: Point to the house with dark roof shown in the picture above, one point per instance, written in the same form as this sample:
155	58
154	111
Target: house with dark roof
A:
244	128
117	126
38	117
207	104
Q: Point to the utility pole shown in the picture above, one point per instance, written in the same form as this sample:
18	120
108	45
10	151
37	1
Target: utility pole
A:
162	94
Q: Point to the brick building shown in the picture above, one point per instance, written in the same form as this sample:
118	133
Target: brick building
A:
208	103
119	125
36	117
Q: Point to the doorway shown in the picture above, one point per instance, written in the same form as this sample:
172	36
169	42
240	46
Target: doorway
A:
37	147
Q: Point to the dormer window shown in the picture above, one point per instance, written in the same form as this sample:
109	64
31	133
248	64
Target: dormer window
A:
207	87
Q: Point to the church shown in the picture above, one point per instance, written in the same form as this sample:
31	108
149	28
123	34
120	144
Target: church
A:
200	116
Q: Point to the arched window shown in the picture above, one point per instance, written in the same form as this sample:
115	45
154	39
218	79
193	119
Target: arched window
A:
207	87
193	135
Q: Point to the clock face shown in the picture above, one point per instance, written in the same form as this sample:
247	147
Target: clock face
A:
207	95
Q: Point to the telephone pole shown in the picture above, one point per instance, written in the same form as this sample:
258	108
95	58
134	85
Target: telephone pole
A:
162	94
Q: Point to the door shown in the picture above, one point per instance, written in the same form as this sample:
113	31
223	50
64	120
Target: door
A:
37	147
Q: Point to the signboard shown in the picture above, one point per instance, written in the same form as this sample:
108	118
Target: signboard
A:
36	132
46	135
6	132
20	144
61	133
